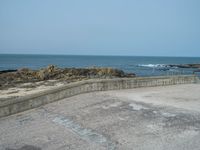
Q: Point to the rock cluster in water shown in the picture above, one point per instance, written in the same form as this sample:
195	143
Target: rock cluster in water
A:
186	66
12	77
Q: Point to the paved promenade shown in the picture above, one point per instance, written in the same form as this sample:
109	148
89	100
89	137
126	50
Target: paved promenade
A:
152	118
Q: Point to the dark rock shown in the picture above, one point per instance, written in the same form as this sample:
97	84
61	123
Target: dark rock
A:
186	66
196	71
131	75
6	71
163	69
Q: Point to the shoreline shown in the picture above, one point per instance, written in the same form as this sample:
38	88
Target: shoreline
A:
13	78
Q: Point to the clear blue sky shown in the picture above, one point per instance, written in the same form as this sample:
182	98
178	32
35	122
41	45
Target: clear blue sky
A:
100	27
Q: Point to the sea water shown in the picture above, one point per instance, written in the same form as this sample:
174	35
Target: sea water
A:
141	65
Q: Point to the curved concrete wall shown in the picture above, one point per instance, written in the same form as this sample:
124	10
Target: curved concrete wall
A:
16	105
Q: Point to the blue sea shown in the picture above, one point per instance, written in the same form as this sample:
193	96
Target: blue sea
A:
142	66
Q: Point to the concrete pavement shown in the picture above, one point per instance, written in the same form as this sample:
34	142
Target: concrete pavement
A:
153	118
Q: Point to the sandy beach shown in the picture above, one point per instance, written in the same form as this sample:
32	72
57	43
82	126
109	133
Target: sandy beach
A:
151	118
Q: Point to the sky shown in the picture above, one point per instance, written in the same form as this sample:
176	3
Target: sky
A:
100	27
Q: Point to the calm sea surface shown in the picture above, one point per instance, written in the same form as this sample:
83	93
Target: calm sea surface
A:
142	66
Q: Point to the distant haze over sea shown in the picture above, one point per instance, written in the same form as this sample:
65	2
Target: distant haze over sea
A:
141	65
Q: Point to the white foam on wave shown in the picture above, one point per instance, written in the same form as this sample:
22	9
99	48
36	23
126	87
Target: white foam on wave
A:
152	65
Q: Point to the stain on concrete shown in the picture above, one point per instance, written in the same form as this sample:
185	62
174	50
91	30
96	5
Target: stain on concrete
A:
167	114
112	105
86	134
137	106
183	121
25	147
24	119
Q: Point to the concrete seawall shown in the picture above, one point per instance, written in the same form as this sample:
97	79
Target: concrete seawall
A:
16	105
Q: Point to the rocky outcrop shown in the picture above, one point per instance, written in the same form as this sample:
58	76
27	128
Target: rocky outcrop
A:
52	72
186	66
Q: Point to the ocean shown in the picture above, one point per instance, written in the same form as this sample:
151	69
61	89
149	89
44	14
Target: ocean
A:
140	65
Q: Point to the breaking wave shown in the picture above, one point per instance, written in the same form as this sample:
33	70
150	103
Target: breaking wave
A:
152	65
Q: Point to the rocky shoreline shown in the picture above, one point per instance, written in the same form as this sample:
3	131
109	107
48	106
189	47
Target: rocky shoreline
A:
11	78
193	66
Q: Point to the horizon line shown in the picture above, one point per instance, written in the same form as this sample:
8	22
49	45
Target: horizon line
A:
96	55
